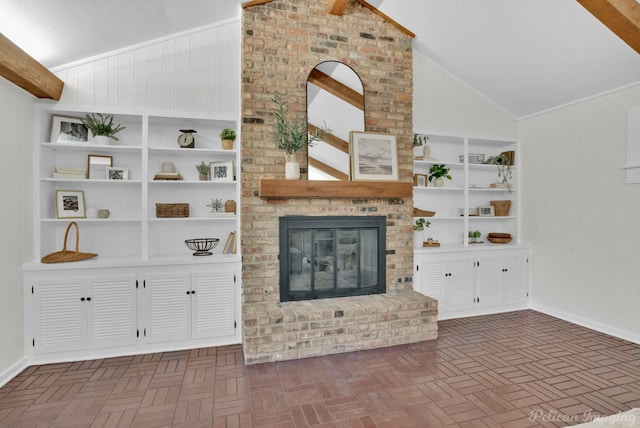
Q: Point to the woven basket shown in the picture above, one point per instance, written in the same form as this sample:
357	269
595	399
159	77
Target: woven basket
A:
172	210
67	255
501	208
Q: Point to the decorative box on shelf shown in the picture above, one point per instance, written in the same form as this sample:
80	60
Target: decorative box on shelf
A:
172	210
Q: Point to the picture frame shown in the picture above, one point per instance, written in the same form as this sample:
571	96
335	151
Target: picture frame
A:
420	180
486	211
97	166
69	130
70	204
221	171
117	173
374	156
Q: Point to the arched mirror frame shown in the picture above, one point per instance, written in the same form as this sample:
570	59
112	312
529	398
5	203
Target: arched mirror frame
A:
335	100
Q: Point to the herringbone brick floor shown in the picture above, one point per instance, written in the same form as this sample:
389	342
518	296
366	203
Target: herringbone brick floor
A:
518	369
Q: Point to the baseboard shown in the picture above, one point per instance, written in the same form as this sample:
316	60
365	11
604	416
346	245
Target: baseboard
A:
13	371
583	322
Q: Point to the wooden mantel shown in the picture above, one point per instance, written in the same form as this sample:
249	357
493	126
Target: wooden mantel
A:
285	189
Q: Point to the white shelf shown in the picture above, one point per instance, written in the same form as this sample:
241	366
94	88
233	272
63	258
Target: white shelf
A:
132	232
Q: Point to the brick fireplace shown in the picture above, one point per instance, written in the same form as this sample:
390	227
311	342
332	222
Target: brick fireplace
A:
282	41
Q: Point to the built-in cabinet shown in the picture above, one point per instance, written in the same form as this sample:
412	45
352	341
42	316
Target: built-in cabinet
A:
469	278
145	291
471	282
472	186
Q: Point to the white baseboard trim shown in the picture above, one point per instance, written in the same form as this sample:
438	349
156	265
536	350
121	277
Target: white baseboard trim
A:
13	371
593	325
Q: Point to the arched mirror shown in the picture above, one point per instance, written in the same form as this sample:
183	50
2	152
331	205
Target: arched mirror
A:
335	100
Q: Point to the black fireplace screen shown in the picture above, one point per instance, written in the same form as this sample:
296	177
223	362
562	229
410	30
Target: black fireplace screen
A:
331	256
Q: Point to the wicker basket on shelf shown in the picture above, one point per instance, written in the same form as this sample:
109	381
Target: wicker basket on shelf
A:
172	210
501	208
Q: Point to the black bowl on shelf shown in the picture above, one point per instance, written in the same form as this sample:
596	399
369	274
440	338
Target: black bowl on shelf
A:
201	246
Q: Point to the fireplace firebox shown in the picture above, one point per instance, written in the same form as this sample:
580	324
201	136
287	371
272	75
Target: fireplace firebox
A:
334	256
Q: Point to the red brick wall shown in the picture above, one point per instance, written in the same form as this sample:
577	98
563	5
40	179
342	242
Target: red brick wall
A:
282	42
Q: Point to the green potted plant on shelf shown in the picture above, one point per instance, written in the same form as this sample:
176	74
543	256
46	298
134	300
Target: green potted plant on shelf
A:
474	235
503	162
102	127
418	227
203	171
292	136
419	144
437	174
228	136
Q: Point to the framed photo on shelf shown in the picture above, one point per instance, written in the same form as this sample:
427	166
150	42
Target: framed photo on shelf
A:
420	180
97	166
70	204
117	173
374	156
486	211
221	171
68	130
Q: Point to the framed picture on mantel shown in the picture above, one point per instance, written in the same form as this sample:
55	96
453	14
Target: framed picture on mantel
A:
374	156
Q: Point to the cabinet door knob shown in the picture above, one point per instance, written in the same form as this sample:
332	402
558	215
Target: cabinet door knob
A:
82	299
88	299
188	292
193	291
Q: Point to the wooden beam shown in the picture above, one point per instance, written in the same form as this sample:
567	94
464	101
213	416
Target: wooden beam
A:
331	139
254	3
386	18
323	167
338	89
285	189
19	68
620	16
336	7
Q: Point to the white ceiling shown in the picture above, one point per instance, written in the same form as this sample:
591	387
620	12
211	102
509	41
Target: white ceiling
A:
526	56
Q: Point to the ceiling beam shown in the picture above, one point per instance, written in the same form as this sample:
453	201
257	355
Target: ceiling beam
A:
620	16
336	7
19	68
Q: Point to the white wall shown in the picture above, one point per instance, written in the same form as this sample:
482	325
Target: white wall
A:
16	213
581	217
195	72
442	103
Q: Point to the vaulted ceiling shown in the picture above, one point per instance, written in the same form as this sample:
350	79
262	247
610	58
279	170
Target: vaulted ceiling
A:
525	56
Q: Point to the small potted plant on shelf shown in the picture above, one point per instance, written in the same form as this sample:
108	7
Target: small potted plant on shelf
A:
474	235
102	127
228	136
292	136
418	227
419	144
203	171
437	174
503	162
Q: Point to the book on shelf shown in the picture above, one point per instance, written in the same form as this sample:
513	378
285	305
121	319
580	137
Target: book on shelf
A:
230	247
69	175
168	176
71	169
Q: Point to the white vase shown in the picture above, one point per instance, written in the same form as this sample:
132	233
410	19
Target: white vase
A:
418	152
418	238
292	167
102	140
438	182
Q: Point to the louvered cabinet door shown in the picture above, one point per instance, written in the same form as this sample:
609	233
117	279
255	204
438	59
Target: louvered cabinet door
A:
112	311
430	279
169	307
213	304
490	281
516	279
60	315
460	284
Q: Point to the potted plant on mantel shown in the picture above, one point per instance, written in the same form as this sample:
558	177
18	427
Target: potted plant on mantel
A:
102	127
437	174
292	136
228	136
